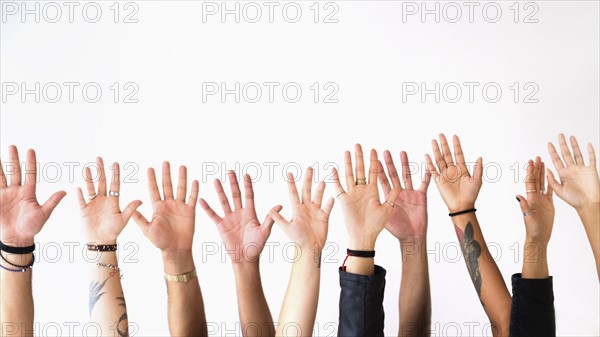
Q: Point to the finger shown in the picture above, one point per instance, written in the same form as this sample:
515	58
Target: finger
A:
328	206
267	224
89	182
373	168
576	151
437	155
360	162
542	175
446	150
425	183
182	184
564	150
80	198
248	191
530	177
222	197
167	184
30	169
348	168
115	183
390	200
318	196
558	163
336	179
193	198
408	184
293	191
391	168
153	186
591	155
130	209
549	191
431	168
536	173
15	165
553	183
478	169
141	221
277	217
50	204
383	180
458	153
101	176
523	204
307	186
3	182
236	194
210	212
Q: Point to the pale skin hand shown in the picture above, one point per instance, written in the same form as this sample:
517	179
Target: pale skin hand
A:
104	221
245	239
21	218
172	231
459	189
364	214
580	187
538	215
308	229
408	223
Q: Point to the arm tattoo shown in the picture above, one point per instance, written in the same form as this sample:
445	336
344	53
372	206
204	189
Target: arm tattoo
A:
471	251
123	331
95	293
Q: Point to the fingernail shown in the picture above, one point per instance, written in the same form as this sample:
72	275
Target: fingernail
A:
519	200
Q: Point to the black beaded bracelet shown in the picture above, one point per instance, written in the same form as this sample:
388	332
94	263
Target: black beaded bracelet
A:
101	248
17	250
472	210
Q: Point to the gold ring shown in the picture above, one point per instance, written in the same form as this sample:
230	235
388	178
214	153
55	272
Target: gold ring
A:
362	181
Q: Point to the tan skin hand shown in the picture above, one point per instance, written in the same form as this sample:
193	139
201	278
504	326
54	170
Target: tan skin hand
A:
21	216
243	235
579	183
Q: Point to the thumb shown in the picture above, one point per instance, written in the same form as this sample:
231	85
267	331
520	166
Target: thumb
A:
128	211
555	185
278	217
524	205
141	221
478	169
50	204
267	224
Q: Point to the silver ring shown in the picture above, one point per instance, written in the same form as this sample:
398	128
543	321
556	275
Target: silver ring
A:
389	202
342	192
526	213
531	191
91	197
113	193
543	191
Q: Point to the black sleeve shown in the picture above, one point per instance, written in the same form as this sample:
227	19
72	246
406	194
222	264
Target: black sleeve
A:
532	310
361	304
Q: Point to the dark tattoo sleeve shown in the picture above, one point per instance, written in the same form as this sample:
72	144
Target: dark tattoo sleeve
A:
95	293
471	251
122	325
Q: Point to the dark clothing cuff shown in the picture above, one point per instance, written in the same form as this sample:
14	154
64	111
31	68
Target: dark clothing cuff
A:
532	309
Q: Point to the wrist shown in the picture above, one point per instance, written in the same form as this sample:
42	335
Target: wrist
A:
178	262
18	242
461	207
366	243
245	267
586	209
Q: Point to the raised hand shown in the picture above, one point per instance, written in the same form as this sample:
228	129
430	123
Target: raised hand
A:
579	184
102	215
240	229
309	223
21	216
364	214
537	208
409	215
173	220
456	185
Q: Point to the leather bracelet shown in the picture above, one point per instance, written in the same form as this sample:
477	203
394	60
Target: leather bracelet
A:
182	278
17	250
360	253
101	248
472	210
28	266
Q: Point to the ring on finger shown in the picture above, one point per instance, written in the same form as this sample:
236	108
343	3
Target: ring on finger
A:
338	195
113	193
526	213
362	181
531	191
91	197
389	202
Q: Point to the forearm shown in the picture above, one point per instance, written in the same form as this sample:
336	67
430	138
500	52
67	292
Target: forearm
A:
361	265
535	262
299	307
415	296
484	272
255	316
16	311
107	306
186	306
590	216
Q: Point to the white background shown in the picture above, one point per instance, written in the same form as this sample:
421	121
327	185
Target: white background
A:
368	53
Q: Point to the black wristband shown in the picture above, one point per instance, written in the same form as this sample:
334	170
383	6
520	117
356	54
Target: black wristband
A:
17	250
30	265
360	253
101	248
472	210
